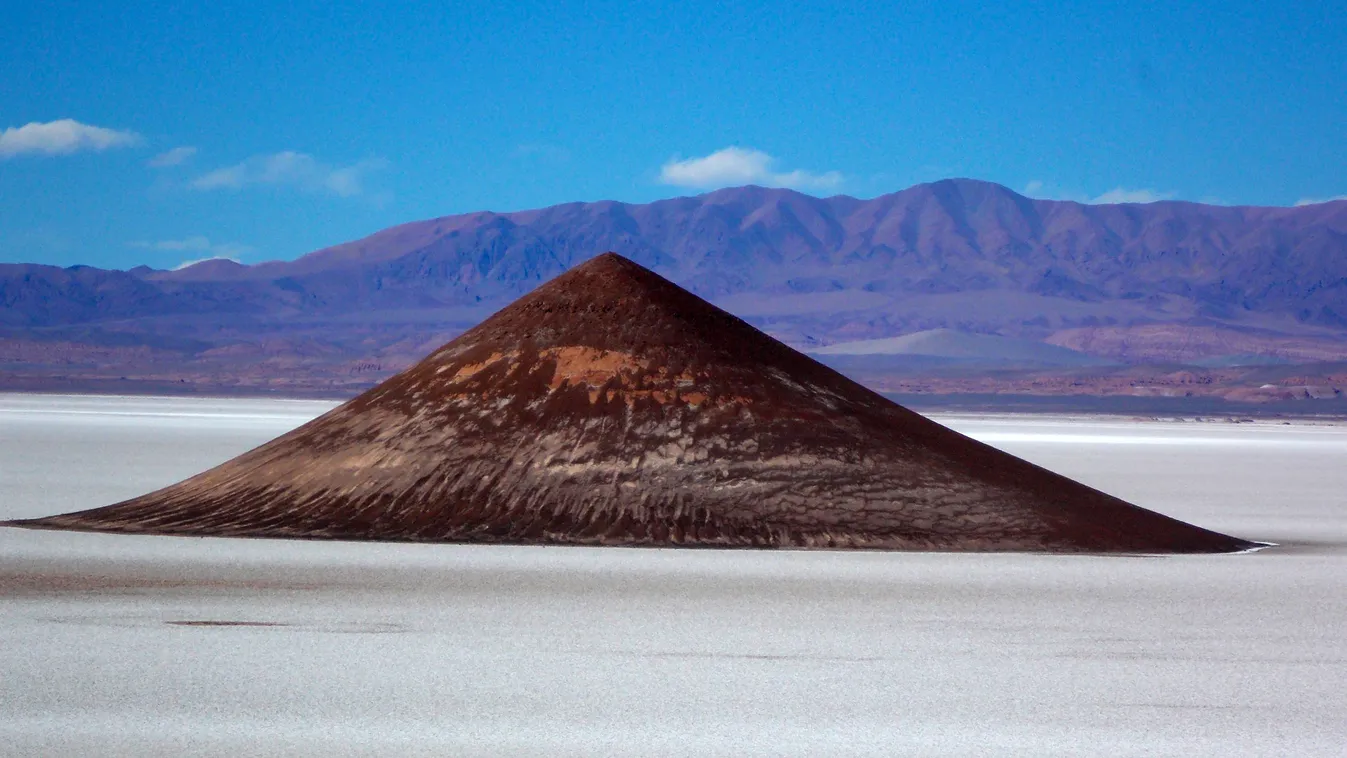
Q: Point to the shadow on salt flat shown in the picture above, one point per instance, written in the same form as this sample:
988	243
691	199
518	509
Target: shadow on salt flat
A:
322	627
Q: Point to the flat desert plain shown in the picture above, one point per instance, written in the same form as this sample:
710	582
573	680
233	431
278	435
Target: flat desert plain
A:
134	645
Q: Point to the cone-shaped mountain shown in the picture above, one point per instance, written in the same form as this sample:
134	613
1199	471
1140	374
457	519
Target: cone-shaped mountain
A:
611	407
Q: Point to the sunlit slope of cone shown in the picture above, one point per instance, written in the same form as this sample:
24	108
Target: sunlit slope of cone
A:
611	407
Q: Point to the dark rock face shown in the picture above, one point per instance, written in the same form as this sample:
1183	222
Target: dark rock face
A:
611	407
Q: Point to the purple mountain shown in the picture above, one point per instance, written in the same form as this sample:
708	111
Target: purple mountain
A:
964	255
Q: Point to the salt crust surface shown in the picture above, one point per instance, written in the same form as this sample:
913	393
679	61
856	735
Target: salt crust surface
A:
377	649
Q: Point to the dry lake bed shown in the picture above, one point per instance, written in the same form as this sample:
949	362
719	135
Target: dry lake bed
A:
124	645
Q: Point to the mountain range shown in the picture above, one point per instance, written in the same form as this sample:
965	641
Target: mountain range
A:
1167	282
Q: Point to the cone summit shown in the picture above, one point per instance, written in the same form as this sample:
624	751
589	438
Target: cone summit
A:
611	407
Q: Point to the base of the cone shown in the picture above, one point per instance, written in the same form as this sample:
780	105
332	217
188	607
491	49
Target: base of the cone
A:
1235	546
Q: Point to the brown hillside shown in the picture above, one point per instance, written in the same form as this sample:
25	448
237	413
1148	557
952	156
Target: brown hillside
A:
611	407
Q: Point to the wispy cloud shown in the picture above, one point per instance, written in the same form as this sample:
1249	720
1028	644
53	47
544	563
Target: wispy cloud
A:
292	169
175	157
1043	190
198	244
1124	195
737	165
1038	188
61	137
194	261
1317	200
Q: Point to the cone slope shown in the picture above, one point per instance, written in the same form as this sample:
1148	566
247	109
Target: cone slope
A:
610	406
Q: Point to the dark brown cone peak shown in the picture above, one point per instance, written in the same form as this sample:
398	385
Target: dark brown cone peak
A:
610	406
613	303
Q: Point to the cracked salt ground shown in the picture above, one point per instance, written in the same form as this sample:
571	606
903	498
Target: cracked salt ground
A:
396	649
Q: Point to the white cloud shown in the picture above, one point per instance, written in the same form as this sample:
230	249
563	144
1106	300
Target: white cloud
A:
736	165
186	264
196	244
291	169
61	138
1037	188
1317	200
1123	195
1041	190
175	157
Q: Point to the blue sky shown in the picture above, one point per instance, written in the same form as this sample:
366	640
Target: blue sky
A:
158	133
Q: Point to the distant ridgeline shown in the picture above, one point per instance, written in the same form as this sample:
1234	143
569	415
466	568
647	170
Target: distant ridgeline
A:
986	278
